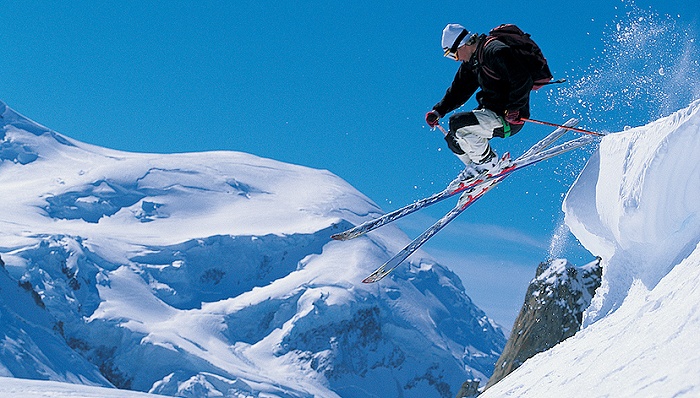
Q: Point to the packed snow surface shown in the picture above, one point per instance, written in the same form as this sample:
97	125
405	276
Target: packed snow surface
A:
635	205
213	274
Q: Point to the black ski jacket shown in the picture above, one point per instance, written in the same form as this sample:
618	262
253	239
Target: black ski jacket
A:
505	83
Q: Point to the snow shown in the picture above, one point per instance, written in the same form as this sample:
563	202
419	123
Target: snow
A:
635	205
213	273
647	212
12	387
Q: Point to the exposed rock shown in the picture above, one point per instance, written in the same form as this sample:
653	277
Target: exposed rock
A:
552	312
469	389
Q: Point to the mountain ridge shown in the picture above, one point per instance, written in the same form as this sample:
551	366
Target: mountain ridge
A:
197	273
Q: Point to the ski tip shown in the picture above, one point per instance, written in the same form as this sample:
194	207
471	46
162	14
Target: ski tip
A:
373	278
347	235
376	276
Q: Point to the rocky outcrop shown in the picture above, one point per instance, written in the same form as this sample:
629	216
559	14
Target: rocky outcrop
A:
469	389
552	312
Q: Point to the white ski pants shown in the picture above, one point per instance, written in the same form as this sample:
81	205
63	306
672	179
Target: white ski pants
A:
472	132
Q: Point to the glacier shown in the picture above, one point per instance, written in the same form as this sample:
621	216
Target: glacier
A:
213	274
635	205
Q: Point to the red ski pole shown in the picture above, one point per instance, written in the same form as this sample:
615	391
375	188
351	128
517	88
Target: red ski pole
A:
564	127
442	129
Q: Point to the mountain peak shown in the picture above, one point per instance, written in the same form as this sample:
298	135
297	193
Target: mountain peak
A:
219	269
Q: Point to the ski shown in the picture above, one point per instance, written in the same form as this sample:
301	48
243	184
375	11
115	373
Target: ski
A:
466	200
395	261
456	186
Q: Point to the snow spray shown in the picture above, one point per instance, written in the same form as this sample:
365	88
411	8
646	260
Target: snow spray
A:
648	68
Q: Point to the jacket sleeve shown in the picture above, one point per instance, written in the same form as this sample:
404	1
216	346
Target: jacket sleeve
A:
518	77
463	87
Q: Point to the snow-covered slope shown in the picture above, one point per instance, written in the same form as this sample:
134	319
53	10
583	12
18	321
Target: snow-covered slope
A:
635	205
32	345
14	387
214	272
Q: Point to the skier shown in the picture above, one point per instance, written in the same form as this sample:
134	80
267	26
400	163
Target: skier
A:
505	85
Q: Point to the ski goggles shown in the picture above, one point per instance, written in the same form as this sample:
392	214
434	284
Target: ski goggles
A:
449	54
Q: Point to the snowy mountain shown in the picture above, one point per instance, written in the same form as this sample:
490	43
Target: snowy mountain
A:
636	205
214	273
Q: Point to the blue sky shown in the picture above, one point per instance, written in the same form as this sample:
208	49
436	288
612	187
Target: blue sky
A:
344	86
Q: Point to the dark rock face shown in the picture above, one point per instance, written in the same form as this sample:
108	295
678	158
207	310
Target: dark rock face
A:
469	389
552	312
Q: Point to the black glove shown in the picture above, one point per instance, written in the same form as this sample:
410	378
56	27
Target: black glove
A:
432	118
